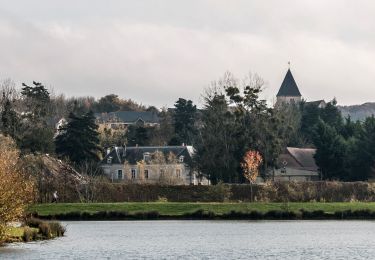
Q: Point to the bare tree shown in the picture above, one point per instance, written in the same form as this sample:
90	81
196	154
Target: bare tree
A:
92	177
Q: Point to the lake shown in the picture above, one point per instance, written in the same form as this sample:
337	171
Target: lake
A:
204	240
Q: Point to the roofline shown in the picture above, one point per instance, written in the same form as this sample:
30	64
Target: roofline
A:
278	95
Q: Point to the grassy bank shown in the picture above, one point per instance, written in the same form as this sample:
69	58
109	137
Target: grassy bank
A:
34	229
175	210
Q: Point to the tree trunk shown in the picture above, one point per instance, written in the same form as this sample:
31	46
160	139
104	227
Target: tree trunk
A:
251	191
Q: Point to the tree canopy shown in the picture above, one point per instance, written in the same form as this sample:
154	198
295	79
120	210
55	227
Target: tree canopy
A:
78	140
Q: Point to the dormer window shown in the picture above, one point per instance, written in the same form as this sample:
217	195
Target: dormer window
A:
181	159
146	157
109	160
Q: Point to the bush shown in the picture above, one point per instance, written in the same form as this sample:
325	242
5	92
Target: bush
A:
33	222
29	234
279	214
316	214
45	230
220	192
265	192
56	229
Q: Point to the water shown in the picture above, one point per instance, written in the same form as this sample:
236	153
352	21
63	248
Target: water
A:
204	240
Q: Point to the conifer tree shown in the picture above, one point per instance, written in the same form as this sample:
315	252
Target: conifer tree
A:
184	118
78	139
10	120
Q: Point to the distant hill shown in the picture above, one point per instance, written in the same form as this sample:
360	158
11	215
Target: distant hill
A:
358	112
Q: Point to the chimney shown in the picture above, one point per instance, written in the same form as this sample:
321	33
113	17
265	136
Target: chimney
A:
136	145
108	151
183	144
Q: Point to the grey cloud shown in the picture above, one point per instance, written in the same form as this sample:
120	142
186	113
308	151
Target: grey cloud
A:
157	51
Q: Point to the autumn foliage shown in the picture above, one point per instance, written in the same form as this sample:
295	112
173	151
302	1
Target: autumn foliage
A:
250	165
16	188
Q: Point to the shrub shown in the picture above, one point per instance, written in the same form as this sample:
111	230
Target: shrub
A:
33	222
45	230
56	229
220	192
279	214
29	234
316	214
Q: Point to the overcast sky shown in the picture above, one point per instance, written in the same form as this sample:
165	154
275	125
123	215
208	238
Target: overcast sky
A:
156	51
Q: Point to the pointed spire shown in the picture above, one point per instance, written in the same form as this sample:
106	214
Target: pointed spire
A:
289	86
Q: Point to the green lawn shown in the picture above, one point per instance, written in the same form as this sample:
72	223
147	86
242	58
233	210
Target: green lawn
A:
177	208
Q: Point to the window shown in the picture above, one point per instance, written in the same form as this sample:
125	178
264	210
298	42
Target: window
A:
283	170
146	174
146	157
133	173
119	174
161	171
109	160
178	173
181	159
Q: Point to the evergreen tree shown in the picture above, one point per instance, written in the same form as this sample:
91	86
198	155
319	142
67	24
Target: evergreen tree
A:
184	118
35	135
137	135
363	153
217	142
332	115
37	100
310	115
332	155
10	120
78	140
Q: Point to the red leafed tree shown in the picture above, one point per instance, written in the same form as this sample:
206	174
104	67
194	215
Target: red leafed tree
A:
250	166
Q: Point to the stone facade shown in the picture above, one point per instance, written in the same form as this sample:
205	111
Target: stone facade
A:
138	165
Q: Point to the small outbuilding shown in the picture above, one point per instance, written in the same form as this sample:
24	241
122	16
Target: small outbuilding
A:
296	164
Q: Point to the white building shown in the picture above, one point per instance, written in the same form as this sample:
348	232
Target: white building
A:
152	165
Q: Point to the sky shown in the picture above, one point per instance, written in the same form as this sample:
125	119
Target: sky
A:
156	51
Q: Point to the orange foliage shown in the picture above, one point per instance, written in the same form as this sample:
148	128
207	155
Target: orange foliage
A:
250	165
16	188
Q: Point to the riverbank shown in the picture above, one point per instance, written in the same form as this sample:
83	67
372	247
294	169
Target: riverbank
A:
173	210
33	230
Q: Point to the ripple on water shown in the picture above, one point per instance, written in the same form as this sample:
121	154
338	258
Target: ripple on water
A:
204	240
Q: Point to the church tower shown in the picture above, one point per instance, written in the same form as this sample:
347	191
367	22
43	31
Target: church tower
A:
288	92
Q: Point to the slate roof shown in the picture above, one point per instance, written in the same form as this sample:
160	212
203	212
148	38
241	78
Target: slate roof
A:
289	87
134	154
304	157
129	116
316	102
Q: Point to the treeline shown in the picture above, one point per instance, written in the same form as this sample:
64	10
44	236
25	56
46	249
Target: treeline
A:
233	120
